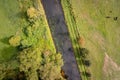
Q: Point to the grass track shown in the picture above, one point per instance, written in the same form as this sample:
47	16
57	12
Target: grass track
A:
74	34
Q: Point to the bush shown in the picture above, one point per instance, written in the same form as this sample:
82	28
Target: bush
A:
87	63
15	40
83	52
81	41
29	58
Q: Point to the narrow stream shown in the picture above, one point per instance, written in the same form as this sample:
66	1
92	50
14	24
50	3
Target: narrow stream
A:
61	37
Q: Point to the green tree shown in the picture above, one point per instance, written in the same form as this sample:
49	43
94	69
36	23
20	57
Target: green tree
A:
51	66
46	64
30	60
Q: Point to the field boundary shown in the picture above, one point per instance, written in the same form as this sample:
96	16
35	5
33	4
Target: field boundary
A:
74	33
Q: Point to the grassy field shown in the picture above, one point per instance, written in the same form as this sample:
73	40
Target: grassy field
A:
8	25
98	23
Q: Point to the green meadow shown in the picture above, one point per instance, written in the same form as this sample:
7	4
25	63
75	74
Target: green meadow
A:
8	26
98	22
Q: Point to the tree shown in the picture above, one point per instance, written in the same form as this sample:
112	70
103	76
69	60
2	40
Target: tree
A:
46	64
51	66
30	60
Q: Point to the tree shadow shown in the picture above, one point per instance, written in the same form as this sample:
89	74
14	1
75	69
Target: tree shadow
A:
87	74
87	63
5	40
8	53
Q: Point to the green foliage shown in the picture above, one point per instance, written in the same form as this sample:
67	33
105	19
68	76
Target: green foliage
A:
36	58
2	71
32	75
15	40
87	63
30	58
46	64
7	70
30	35
25	4
83	53
51	66
32	13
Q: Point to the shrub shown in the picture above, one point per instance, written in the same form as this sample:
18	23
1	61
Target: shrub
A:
81	41
15	40
87	63
83	52
32	13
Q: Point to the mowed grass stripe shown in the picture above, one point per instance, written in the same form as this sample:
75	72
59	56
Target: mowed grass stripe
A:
74	34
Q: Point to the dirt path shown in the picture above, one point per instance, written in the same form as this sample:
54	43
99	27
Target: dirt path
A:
61	37
111	69
109	65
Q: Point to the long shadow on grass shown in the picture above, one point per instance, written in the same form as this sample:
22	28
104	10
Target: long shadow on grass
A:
5	40
8	53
